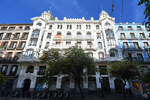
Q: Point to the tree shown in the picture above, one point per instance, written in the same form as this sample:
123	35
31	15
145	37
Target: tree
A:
147	8
51	59
124	70
76	62
72	62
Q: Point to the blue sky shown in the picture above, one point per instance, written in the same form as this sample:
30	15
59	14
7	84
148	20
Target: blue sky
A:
20	11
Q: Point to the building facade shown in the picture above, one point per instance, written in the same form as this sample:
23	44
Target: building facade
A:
102	39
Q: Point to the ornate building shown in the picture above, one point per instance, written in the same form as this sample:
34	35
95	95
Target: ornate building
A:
101	39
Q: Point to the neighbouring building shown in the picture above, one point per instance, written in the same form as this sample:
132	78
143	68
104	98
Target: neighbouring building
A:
103	39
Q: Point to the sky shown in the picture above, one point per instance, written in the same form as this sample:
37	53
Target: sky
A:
21	11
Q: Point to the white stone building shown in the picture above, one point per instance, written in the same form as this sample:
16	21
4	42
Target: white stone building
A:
96	37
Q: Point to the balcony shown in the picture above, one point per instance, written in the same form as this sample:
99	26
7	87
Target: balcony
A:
140	60
75	38
27	56
132	49
109	59
8	59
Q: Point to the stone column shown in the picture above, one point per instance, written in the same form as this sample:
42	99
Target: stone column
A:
85	81
112	84
33	83
98	81
58	83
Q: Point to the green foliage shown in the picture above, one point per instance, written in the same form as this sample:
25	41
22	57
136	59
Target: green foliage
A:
146	77
147	8
124	70
2	79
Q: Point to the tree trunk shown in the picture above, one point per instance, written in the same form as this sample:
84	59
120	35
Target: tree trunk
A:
80	90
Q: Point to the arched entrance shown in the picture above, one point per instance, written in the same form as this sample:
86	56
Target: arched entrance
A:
26	85
118	85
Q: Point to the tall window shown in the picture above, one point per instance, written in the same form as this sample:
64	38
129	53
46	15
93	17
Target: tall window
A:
1	35
101	55
30	69
120	28
136	45
90	54
100	45
21	45
97	26
78	33
50	26
59	27
132	35
125	45
8	35
98	36
68	33
88	33
113	53
88	26
142	36
68	43
49	35
4	69
69	26
145	44
122	35
16	36
139	28
140	57
78	26
13	45
47	45
130	28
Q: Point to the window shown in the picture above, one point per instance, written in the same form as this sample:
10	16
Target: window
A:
11	28
113	53
139	28
100	45
98	36
90	54
88	33
125	45
50	26
109	34
13	45
132	35
78	33
42	70
30	69
13	70
4	45
9	54
68	43
49	35
21	45
59	27
79	43
4	28
89	43
39	24
88	26
27	28
120	28
8	35
140	57
78	26
33	42
1	35
16	36
24	36
97	26
142	36
59	33
36	32
101	55
145	44
18	54
136	45
130	28
4	69
69	26
122	36
58	43
47	45
68	33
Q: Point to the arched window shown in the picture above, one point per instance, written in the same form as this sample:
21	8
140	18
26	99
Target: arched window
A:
113	53
88	33
90	54
30	69
39	24
101	55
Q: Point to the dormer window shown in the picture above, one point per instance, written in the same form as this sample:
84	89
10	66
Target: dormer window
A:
78	33
68	33
139	28
88	33
97	26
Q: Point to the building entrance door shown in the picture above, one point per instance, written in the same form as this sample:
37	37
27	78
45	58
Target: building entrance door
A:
26	85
